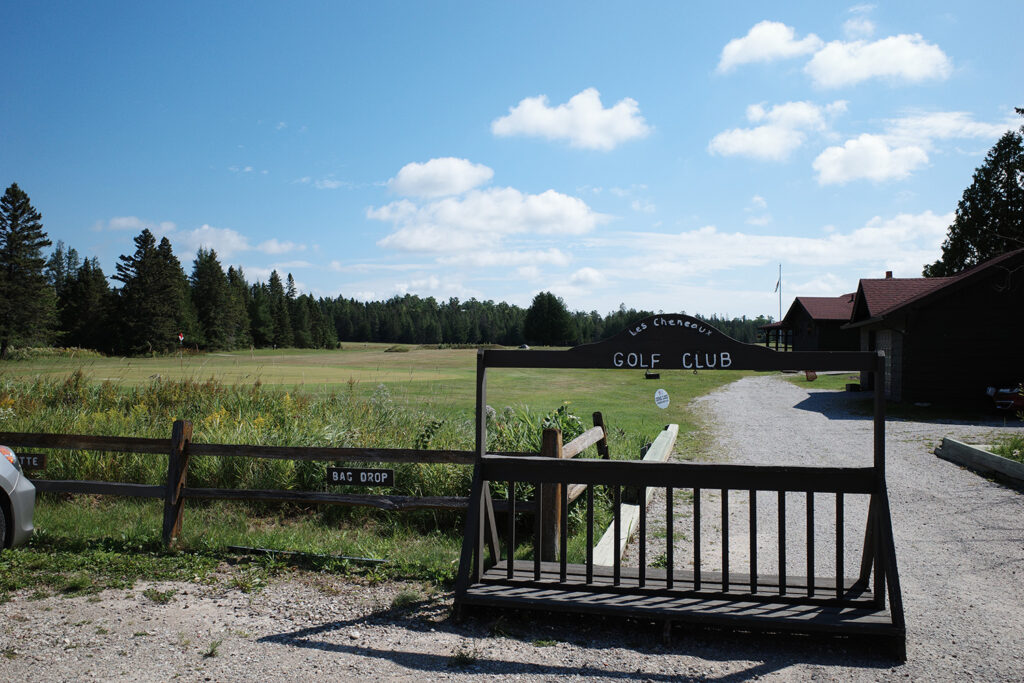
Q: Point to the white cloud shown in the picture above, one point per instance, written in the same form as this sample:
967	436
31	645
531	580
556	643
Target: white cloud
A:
766	42
867	157
528	272
582	121
481	218
284	265
905	58
225	241
281	125
330	184
587	276
783	130
274	246
135	223
439	178
904	238
858	27
488	259
642	206
921	129
759	202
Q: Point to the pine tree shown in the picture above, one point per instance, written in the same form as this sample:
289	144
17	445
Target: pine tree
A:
211	295
990	216
153	305
237	312
261	321
87	307
279	312
548	321
27	302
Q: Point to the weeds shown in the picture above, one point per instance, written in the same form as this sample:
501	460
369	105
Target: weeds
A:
159	597
406	598
212	649
464	657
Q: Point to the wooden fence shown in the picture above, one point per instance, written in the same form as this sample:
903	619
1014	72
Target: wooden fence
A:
180	448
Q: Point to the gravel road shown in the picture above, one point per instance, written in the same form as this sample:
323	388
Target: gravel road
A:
959	541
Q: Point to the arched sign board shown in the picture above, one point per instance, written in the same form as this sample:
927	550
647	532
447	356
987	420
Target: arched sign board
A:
678	342
681	342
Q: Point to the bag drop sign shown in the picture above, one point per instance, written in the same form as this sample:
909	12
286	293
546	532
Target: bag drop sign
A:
661	399
360	477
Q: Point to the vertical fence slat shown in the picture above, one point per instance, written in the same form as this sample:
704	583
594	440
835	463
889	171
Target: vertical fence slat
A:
538	528
810	544
510	555
563	532
752	502
725	540
643	537
617	560
840	521
782	542
669	540
590	533
696	539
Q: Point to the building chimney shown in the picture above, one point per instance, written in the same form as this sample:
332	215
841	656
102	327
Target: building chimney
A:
888	275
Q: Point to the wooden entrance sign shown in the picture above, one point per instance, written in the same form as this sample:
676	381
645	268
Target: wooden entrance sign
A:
751	600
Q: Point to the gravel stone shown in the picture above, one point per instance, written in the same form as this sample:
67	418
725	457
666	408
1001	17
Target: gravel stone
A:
958	541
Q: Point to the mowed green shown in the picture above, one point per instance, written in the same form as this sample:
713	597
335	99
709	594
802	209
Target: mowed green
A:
438	381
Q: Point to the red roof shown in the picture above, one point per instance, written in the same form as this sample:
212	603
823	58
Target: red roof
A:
883	295
828	307
887	295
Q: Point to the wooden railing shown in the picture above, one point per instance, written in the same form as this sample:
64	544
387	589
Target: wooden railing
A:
180	449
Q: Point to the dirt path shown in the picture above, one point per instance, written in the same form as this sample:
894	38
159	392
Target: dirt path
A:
959	539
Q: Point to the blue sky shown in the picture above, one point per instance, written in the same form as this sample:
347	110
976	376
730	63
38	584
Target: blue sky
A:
667	156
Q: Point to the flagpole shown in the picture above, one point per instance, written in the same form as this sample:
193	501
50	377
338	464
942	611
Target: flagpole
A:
780	292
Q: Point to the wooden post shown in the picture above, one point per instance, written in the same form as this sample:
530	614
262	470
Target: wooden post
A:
551	499
602	445
177	471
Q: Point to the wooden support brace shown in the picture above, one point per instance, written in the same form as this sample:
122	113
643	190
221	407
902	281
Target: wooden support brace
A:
177	472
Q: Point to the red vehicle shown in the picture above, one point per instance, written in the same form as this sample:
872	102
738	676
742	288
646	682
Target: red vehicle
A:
1007	398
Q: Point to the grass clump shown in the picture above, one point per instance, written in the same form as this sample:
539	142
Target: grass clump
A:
1010	447
159	597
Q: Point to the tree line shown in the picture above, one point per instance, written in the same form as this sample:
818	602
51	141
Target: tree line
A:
65	300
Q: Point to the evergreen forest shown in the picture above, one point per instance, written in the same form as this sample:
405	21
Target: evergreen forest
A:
61	299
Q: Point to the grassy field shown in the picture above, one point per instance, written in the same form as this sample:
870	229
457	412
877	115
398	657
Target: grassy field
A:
362	395
436	381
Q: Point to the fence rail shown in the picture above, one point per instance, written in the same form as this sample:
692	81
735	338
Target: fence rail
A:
180	448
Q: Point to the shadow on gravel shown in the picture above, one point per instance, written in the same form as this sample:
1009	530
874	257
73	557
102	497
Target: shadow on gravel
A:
755	654
838	405
848	405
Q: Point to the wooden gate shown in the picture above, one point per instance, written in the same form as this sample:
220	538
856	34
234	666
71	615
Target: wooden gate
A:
744	598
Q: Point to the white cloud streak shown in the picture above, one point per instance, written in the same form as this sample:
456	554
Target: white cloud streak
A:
766	41
867	157
783	130
906	58
439	178
481	219
583	121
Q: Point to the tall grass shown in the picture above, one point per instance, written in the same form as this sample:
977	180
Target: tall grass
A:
257	415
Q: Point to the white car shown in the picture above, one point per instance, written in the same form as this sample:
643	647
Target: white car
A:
17	501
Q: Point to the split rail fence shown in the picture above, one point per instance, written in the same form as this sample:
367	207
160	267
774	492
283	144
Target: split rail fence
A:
180	449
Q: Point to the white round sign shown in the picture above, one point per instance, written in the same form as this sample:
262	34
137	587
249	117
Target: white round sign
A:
661	398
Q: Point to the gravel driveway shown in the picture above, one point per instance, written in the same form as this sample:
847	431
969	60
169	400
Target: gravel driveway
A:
959	541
